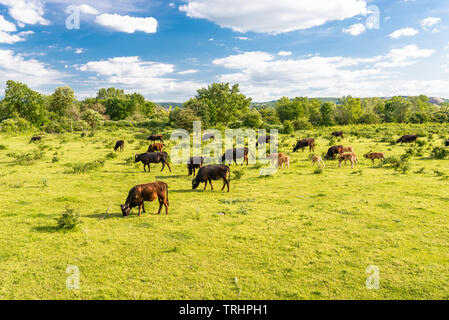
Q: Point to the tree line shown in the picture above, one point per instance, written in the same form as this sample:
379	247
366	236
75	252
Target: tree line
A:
217	106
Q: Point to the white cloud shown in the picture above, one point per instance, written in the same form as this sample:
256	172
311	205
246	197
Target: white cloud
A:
355	29
25	33
405	32
79	51
147	77
242	38
26	11
7	38
190	71
126	23
284	53
429	22
16	67
87	9
266	77
273	16
7	26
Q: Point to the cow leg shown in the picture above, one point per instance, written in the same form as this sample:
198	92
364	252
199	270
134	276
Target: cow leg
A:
163	166
160	206
143	207
205	185
168	165
140	209
211	186
224	184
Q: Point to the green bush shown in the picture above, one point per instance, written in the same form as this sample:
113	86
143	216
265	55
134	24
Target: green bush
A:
69	220
288	127
111	155
81	168
237	174
26	157
399	165
439	153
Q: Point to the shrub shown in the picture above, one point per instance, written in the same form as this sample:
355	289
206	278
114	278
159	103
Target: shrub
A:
81	168
55	159
439	153
288	127
111	155
318	171
399	165
237	174
27	157
302	124
69	220
3	147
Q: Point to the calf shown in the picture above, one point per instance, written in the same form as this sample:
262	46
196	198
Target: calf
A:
156	147
146	192
333	151
194	163
345	157
213	172
348	149
309	142
275	157
319	160
156	137
407	138
154	157
34	139
375	155
119	145
284	162
234	154
338	134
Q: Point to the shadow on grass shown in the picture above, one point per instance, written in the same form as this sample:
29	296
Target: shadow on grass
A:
170	177
185	190
104	216
46	229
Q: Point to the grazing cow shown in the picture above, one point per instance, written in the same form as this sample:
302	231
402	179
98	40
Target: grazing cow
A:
338	134
153	157
34	139
318	159
375	155
263	139
284	162
348	149
156	137
146	192
156	147
345	157
275	157
309	142
447	143
234	154
407	138
208	136
333	151
212	172
194	163
119	145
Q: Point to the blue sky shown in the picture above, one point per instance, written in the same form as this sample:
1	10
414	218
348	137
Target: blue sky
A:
166	50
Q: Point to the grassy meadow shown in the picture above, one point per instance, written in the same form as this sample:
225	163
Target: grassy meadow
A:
301	234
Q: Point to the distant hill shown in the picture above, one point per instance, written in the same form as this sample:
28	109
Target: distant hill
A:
166	105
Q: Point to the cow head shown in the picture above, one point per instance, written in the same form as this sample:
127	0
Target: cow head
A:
195	183
125	210
136	158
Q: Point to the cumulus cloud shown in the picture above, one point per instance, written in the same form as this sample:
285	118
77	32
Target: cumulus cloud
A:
17	67
429	22
273	16
284	53
153	79
405	32
266	77
26	11
126	23
6	26
355	29
7	38
87	9
190	71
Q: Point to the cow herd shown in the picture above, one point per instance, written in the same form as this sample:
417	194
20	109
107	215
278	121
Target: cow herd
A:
208	173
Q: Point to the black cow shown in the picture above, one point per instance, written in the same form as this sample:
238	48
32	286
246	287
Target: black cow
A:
119	145
154	157
34	139
407	138
234	154
208	136
333	151
447	143
146	192
213	172
263	139
309	142
338	134
194	163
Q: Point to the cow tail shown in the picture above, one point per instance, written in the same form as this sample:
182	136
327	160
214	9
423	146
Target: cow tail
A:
166	188
229	170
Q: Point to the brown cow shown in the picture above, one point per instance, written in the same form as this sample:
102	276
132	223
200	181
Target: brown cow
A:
375	155
338	134
284	162
194	163
156	147
234	154
275	157
212	172
345	157
348	149
318	159
333	151
156	137
146	192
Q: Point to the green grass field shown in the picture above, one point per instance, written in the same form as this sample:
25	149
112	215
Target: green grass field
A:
295	235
